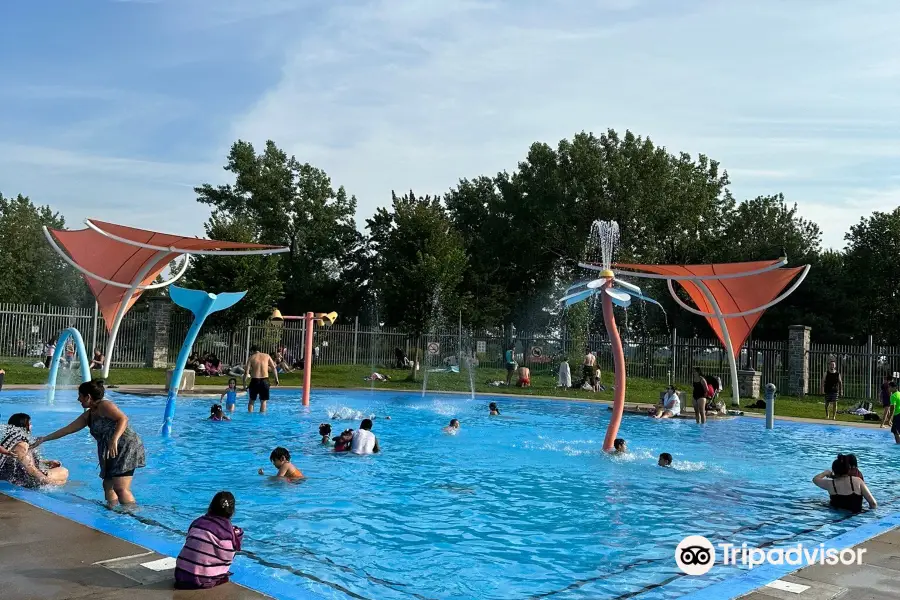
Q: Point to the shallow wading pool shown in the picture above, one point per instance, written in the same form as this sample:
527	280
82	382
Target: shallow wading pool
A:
524	505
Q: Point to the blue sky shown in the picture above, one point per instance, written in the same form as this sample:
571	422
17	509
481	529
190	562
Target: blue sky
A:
117	108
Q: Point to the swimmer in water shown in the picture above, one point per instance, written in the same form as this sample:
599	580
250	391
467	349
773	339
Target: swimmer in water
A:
665	460
230	395
216	413
494	410
281	459
342	442
325	432
619	446
453	427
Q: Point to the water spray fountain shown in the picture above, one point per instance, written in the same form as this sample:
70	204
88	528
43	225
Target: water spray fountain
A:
612	292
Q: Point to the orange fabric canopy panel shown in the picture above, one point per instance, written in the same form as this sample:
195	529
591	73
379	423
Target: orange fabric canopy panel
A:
733	295
121	261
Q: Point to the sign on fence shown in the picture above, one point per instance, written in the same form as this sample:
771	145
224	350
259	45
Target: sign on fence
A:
481	347
434	348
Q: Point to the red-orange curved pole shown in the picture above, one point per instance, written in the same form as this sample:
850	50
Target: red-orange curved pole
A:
609	319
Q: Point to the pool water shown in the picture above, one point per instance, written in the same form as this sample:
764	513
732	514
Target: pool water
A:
524	505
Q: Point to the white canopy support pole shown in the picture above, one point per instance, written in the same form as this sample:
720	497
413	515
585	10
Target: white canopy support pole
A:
735	397
123	307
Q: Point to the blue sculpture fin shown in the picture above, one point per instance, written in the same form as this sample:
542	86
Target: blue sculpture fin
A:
197	301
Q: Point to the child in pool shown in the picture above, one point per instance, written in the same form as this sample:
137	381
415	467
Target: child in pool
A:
453	427
281	458
216	413
325	432
210	546
854	466
494	410
665	460
230	395
342	442
619	446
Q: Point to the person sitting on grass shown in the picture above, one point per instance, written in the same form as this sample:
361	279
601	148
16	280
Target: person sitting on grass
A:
209	549
453	427
495	412
325	433
619	446
845	491
281	459
97	361
670	405
665	460
524	377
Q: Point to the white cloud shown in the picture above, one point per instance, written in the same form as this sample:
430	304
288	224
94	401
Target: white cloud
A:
392	95
796	97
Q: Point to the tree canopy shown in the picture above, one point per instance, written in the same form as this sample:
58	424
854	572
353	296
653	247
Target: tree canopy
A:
497	247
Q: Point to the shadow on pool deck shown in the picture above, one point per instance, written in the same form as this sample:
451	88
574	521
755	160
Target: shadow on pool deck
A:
47	557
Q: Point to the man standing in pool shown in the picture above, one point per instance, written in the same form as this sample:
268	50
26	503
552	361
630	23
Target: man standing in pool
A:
258	365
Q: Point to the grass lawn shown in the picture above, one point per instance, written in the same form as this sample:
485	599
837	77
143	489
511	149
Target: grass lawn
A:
342	376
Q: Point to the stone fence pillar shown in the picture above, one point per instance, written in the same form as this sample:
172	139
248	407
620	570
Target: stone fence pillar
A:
798	360
748	384
157	352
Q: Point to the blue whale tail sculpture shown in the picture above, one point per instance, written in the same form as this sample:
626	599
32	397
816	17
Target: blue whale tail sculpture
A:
202	304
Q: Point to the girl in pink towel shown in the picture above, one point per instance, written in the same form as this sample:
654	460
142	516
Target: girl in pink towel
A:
210	546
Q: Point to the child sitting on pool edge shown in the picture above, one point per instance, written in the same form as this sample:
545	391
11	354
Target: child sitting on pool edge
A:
665	460
209	548
230	395
281	458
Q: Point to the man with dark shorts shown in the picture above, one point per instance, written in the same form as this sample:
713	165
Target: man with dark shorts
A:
258	365
895	405
833	388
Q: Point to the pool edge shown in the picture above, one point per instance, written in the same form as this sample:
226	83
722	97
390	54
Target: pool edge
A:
747	582
249	576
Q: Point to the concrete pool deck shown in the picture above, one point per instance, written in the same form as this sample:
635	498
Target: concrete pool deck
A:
48	557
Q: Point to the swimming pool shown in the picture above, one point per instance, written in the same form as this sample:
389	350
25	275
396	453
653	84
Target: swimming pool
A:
519	506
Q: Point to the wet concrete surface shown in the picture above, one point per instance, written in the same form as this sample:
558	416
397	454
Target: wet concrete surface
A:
47	557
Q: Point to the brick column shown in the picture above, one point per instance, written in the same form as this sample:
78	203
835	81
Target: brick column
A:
798	360
157	353
748	384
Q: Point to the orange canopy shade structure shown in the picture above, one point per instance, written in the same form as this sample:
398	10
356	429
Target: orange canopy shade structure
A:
119	262
737	288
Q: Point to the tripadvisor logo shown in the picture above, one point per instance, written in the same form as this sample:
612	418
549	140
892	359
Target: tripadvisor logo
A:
696	555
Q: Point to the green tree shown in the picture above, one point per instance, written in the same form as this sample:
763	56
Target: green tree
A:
419	258
287	203
871	264
257	274
32	272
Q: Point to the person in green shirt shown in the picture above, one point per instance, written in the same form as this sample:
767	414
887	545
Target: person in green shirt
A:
895	407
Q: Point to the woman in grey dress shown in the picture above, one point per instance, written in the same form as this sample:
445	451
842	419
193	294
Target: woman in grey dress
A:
119	449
